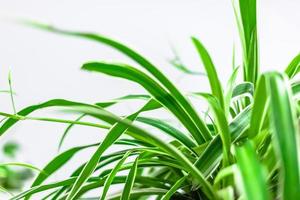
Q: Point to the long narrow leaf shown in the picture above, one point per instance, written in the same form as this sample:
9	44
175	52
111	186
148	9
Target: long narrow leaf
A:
162	96
115	132
215	84
55	102
56	163
174	188
170	130
294	67
286	134
176	154
221	123
247	25
130	181
251	172
25	165
140	60
111	176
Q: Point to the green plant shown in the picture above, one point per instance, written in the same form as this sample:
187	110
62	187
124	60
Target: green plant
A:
10	178
250	150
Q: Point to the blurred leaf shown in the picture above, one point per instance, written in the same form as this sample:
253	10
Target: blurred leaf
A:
251	171
286	134
178	64
294	67
10	149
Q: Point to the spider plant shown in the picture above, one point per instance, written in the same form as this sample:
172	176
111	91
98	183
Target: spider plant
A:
249	150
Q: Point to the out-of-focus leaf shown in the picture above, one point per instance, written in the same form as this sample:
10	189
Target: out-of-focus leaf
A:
294	67
251	171
284	124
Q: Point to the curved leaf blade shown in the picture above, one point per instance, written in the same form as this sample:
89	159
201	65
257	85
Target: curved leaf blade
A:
130	181
286	133
143	62
294	67
251	172
162	96
112	175
215	84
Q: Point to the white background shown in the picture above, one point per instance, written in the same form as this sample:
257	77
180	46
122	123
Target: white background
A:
46	66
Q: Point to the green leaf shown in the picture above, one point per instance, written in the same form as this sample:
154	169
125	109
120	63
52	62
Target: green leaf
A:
247	26
57	162
174	188
11	93
161	95
94	182
296	88
223	173
26	111
178	64
156	141
120	99
212	155
7	91
215	84
25	165
170	130
130	181
245	88
10	149
253	177
139	192
67	131
294	67
2	189
114	133
230	90
143	62
226	193
259	107
112	175
284	123
221	123
61	103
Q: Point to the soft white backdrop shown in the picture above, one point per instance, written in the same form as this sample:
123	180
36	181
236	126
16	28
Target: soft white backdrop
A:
46	66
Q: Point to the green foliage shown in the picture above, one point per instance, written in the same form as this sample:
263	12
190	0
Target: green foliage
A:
249	150
246	156
246	19
10	149
13	175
